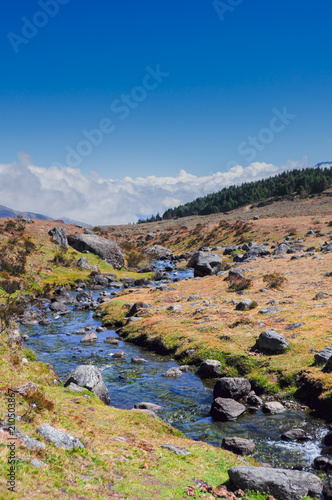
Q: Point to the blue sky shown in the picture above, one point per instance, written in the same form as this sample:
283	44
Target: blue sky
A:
226	80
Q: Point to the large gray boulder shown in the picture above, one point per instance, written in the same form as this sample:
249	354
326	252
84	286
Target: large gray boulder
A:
59	236
205	264
209	368
224	409
106	249
282	484
323	356
89	377
60	439
271	342
231	387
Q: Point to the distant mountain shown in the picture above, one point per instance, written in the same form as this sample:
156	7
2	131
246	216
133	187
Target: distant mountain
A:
324	164
9	212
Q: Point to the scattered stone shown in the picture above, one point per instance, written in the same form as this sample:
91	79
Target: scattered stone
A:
323	463
58	438
205	264
177	449
244	305
293	326
210	368
89	377
320	295
28	389
27	442
173	373
138	361
193	297
271	342
111	340
323	356
89	337
254	400
224	409
239	446
75	388
175	308
273	407
119	354
148	406
159	252
295	435
59	236
281	249
184	368
283	484
37	463
83	263
270	310
231	387
85	296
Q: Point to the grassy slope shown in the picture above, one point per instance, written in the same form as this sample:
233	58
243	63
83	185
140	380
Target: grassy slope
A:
210	331
136	468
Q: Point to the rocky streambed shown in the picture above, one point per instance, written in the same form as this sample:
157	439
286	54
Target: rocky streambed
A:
134	375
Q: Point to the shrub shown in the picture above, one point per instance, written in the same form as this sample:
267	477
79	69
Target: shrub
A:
30	355
37	404
274	280
9	310
241	284
60	256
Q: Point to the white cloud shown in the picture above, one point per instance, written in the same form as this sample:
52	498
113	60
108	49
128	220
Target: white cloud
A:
66	192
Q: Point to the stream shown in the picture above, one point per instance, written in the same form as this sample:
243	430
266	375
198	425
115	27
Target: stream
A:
186	400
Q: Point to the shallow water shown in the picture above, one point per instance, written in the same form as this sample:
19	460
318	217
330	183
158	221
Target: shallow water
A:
186	400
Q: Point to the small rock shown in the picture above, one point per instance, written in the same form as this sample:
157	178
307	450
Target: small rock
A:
295	435
273	407
173	373
210	368
89	337
119	354
270	310
59	438
148	406
224	409
244	305
37	463
177	449
238	445
138	361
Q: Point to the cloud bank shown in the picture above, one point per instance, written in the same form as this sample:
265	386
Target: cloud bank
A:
68	193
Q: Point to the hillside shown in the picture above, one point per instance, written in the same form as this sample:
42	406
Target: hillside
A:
303	182
123	457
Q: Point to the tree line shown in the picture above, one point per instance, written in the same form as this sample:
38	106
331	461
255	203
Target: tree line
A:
306	181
